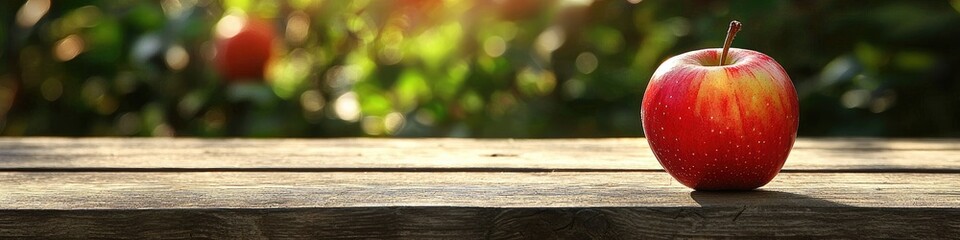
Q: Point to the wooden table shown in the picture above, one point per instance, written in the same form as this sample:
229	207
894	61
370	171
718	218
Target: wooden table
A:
461	189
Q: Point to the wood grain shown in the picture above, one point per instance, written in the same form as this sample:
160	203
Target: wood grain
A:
135	188
863	155
31	190
484	223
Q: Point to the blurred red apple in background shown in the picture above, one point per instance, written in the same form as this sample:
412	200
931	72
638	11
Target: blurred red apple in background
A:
244	48
721	125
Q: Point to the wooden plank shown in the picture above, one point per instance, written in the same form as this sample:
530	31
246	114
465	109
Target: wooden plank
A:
483	223
255	190
18	154
460	188
640	205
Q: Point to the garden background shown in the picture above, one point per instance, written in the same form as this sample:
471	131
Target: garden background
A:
458	68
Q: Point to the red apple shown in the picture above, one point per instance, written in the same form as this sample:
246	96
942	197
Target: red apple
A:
721	126
244	48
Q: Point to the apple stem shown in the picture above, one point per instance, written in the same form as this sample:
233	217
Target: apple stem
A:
731	32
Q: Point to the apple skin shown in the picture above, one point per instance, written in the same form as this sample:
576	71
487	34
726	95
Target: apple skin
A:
725	127
245	56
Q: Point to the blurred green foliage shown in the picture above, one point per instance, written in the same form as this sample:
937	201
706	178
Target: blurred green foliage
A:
458	68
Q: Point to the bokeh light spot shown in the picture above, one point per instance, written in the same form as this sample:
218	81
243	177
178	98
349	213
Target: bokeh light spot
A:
494	46
106	105
840	68
190	104
390	55
425	117
551	39
93	89
312	101
587	62
393	122
347	107
574	88
883	102
68	48
472	102
372	125
31	12
174	8
177	58
231	24
577	3
51	89
288	74
856	98
162	130
535	82
128	123
298	26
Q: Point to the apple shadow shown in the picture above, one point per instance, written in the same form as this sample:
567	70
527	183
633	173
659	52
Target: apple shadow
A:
758	198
